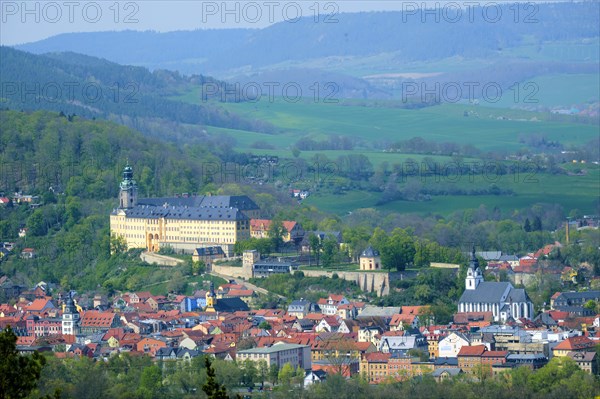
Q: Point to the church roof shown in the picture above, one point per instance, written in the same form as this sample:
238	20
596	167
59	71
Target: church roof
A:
486	292
518	295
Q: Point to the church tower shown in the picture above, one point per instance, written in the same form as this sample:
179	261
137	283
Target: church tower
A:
70	317
128	189
474	276
211	298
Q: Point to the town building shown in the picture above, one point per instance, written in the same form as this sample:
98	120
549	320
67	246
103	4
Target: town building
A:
279	354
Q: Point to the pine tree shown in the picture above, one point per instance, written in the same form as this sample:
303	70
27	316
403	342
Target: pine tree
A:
211	387
527	225
537	224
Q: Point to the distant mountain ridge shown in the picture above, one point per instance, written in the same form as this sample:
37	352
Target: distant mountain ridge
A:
355	34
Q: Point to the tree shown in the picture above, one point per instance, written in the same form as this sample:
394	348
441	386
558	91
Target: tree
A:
286	374
150	382
118	245
273	373
264	325
211	387
250	373
330	250
276	233
18	374
315	246
537	224
527	225
263	371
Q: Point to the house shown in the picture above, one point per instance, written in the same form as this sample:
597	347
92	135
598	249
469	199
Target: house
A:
442	374
329	306
265	268
400	345
586	361
4	201
314	376
490	255
328	323
403	321
28	253
259	228
374	367
512	260
564	299
208	254
573	344
93	321
23	232
450	345
150	346
301	307
501	298
176	354
469	357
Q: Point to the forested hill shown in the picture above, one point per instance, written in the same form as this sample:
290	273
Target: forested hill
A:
410	36
96	88
84	158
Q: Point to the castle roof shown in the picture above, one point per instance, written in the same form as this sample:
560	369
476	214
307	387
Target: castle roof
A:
185	213
369	252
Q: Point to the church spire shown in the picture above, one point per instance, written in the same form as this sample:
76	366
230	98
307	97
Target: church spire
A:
474	276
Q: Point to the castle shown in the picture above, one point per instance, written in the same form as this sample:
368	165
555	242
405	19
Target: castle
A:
182	223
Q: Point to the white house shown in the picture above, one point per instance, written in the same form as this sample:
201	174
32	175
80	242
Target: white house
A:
451	344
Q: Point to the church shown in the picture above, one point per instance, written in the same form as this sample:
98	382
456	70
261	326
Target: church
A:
500	298
183	223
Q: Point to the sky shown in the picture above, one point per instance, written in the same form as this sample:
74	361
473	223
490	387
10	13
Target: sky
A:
28	21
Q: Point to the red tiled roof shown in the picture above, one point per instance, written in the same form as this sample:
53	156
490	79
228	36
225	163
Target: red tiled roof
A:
377	357
575	343
475	350
94	318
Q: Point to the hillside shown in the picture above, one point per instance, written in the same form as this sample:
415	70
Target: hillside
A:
96	88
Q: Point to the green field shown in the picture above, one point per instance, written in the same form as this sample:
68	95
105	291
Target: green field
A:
528	188
562	90
488	129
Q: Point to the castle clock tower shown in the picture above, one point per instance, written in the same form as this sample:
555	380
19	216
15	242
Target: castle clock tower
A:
128	189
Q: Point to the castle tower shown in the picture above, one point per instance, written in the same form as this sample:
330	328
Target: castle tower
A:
249	258
474	276
370	259
128	189
70	317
